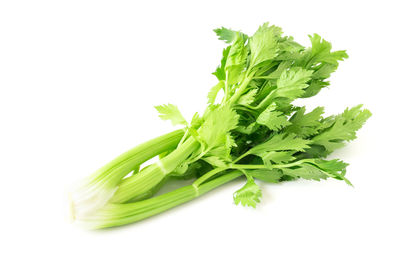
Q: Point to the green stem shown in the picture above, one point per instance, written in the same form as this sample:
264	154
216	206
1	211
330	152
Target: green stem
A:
209	186
114	171
272	166
226	88
240	90
265	101
241	157
249	166
263	77
184	137
208	175
120	214
150	176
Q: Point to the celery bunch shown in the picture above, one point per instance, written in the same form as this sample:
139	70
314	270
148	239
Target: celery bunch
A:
255	131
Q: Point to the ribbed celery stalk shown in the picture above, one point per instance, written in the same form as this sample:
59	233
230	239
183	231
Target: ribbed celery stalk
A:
149	177
114	214
98	188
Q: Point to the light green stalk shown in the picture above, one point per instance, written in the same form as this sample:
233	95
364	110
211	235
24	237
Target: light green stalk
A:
96	190
148	178
114	214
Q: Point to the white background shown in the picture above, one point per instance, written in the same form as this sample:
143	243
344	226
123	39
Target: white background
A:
78	80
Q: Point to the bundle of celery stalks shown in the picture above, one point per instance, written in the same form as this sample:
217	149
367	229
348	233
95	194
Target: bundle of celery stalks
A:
254	131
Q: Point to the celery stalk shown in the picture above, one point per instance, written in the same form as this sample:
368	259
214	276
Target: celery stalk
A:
114	214
149	177
98	188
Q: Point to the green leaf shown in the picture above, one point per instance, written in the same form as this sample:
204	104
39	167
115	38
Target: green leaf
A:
291	83
219	121
281	142
269	176
331	166
343	129
251	128
263	44
283	66
196	121
289	49
321	51
324	71
277	157
249	195
317	169
322	61
248	98
236	60
315	151
272	118
220	71
289	86
171	112
305	171
314	87
335	168
227	35
223	150
305	125
214	91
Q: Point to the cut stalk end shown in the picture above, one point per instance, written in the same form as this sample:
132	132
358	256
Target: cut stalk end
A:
86	200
